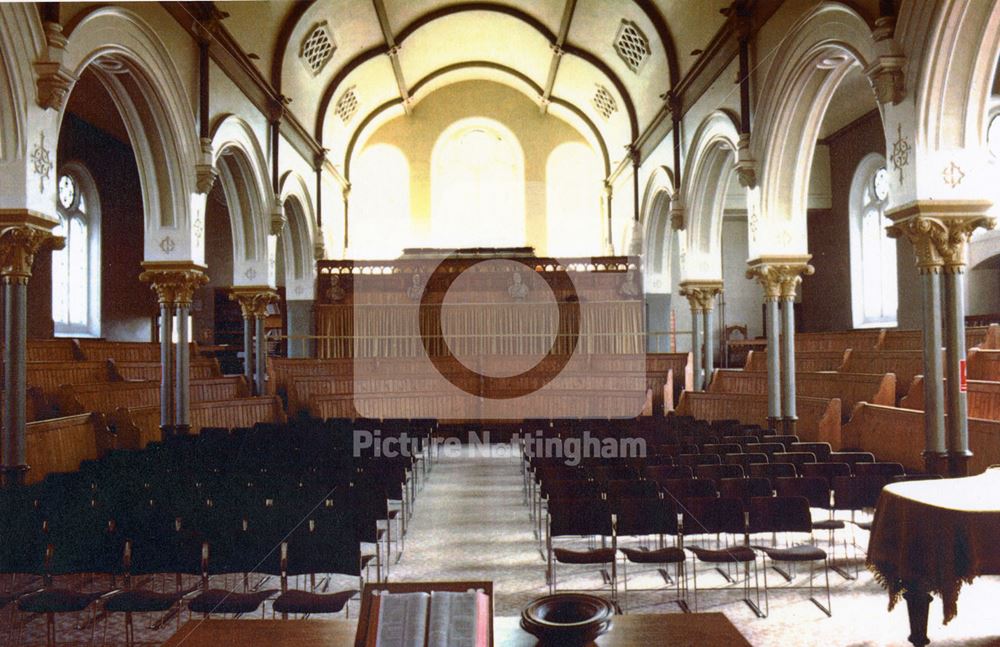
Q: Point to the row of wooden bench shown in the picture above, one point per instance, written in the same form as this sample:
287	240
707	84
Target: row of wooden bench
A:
889	339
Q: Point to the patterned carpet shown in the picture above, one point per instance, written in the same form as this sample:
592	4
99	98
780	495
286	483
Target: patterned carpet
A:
470	523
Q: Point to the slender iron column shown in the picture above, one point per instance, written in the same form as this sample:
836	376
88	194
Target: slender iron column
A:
261	353
790	414
696	353
18	245
182	385
248	364
934	445
15	452
166	367
709	345
773	363
939	231
957	423
174	283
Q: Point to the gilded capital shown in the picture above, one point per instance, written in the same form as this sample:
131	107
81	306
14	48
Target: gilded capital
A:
701	294
254	300
940	231
18	246
174	284
780	276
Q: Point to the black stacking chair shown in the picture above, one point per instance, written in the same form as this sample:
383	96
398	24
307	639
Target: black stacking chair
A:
784	514
581	518
772	470
820	450
693	460
826	471
851	458
326	544
744	460
661	472
744	488
642	519
798	459
716	472
725	518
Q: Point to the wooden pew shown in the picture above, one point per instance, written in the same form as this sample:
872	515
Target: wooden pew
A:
914	339
819	418
983	364
894	434
45	378
122	351
849	388
136	427
61	444
202	368
863	339
983	398
108	397
657	367
462	408
53	350
906	364
805	361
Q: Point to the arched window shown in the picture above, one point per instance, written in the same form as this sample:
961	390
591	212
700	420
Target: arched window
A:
379	208
76	269
874	289
477	187
573	196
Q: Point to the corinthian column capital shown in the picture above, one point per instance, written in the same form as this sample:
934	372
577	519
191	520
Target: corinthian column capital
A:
701	294
253	300
174	283
19	242
780	276
940	230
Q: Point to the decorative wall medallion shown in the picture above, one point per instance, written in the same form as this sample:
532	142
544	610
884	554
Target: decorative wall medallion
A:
900	152
785	238
298	290
251	273
198	229
753	225
41	161
168	245
953	175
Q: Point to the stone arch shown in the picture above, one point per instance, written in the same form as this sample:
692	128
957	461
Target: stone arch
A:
144	83
710	166
952	48
808	66
655	217
243	174
298	237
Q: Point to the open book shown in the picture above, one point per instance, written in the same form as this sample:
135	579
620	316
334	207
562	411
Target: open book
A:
437	619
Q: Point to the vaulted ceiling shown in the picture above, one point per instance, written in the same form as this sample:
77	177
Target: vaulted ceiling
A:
346	65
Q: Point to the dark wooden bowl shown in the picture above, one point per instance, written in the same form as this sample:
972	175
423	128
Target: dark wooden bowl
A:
567	619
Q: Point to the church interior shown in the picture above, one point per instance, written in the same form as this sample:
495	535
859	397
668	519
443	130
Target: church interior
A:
505	322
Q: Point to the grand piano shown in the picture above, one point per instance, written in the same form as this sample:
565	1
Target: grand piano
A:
933	536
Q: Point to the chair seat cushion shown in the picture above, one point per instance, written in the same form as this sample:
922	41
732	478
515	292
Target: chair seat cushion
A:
597	556
306	602
57	601
141	601
223	601
828	524
802	553
668	555
729	555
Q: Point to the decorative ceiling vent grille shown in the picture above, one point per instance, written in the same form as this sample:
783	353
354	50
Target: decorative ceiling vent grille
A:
632	45
604	102
317	48
347	105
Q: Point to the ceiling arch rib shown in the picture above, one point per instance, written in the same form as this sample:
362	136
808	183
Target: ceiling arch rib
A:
593	67
528	86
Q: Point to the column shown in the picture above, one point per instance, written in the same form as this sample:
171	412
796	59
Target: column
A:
18	245
935	452
701	296
253	302
940	231
174	284
780	276
696	323
166	364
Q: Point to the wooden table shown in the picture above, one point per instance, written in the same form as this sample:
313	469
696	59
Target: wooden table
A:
640	630
931	536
